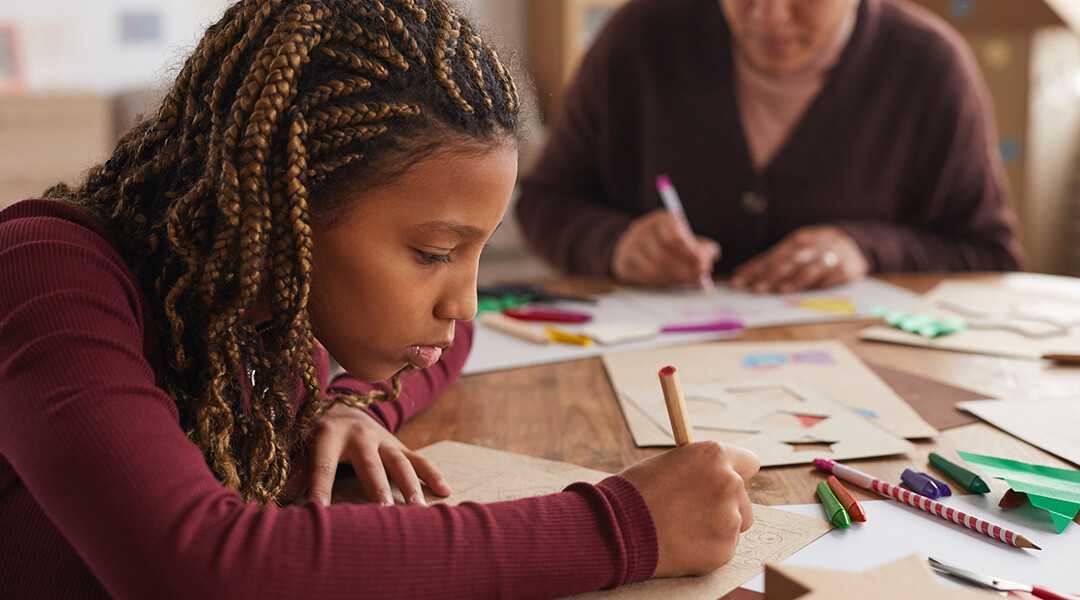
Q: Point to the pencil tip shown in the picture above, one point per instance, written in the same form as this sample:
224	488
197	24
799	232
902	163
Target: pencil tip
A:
1035	547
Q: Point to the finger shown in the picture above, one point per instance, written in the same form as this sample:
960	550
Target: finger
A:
372	475
676	254
429	474
745	463
807	276
708	253
401	472
659	267
322	465
748	273
747	512
676	240
780	268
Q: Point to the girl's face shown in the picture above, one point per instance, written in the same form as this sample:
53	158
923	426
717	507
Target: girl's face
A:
399	268
780	37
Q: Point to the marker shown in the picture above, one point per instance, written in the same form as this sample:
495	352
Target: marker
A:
676	406
837	515
721	325
941	485
565	337
550	315
967	480
851	505
925	504
532	333
671	201
920	484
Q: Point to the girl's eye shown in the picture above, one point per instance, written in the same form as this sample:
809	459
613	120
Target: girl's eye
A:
430	258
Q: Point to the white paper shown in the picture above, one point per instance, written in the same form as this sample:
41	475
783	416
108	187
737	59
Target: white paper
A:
1053	425
493	350
894	530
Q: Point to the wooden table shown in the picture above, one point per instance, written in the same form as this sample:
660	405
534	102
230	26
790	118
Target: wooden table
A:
567	411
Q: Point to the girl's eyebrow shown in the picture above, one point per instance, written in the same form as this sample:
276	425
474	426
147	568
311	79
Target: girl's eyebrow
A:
468	232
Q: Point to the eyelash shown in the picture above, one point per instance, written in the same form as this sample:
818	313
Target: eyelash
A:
434	258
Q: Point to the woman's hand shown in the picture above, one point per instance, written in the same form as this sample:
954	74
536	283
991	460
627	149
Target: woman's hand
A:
817	256
657	250
349	435
697	497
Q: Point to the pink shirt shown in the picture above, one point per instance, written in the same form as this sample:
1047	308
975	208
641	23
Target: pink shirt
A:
771	106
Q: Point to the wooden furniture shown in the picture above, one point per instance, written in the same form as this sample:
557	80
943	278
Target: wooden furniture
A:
568	411
560	31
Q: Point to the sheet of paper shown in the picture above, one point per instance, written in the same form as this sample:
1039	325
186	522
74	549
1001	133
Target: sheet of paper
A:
1015	318
934	400
894	530
1056	491
1053	425
484	475
493	350
827	367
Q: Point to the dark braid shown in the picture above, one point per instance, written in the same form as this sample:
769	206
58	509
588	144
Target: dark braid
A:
282	105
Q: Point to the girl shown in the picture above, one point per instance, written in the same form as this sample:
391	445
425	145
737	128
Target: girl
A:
321	177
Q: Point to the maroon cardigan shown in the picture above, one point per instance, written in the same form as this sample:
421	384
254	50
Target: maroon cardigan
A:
102	494
896	150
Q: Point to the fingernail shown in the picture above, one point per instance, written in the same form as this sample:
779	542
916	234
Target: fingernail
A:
445	485
418	498
323	501
387	500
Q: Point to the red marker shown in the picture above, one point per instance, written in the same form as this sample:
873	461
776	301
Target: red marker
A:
851	505
549	315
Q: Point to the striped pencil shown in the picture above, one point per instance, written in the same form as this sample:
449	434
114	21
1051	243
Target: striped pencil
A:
925	504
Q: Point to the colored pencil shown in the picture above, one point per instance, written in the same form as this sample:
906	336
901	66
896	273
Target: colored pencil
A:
925	504
676	406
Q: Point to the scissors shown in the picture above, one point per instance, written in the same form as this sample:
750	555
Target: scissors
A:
1002	585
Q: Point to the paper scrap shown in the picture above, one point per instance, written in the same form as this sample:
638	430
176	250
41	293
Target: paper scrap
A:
1056	491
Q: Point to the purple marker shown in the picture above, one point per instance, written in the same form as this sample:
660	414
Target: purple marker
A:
725	325
920	484
942	486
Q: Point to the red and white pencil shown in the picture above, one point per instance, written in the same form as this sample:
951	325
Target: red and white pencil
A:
923	503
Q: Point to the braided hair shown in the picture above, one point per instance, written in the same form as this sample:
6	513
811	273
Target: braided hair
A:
282	104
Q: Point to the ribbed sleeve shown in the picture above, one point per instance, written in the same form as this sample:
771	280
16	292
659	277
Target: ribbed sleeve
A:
104	496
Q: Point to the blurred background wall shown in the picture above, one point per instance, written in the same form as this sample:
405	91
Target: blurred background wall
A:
74	74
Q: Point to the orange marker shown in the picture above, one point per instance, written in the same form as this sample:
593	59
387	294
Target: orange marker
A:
851	505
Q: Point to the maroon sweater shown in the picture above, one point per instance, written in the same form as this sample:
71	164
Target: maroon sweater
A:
896	149
102	494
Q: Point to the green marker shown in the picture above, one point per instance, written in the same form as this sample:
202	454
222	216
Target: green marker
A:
968	480
837	515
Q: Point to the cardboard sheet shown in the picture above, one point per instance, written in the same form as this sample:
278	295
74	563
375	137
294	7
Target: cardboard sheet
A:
484	475
903	579
1053	425
828	368
1023	321
935	401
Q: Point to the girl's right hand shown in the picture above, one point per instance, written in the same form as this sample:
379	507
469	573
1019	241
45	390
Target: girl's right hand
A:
696	495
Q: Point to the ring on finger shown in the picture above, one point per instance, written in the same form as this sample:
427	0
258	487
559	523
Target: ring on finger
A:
830	259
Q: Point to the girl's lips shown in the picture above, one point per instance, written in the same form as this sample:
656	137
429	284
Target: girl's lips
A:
424	356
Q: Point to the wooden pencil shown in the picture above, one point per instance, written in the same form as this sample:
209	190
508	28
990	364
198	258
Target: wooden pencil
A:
676	406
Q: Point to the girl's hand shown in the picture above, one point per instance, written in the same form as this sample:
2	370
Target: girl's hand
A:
697	497
348	435
818	256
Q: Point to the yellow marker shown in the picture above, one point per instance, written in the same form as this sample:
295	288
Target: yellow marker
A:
565	337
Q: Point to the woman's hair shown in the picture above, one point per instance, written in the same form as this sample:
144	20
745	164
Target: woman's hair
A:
283	104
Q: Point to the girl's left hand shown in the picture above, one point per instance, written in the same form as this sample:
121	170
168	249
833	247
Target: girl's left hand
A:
344	434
